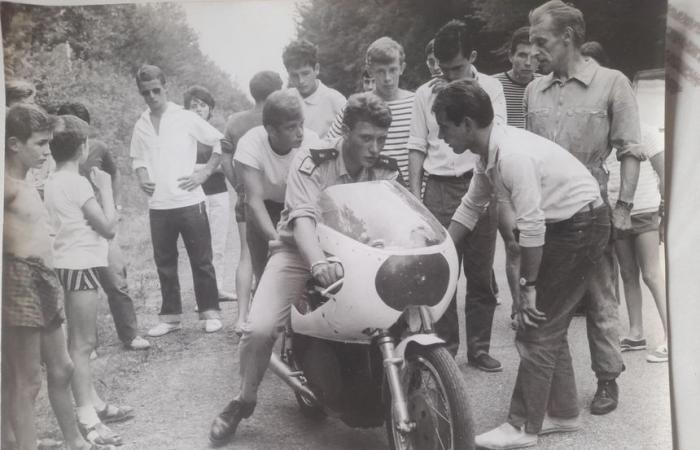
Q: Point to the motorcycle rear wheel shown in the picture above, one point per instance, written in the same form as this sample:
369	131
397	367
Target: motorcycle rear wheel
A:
437	403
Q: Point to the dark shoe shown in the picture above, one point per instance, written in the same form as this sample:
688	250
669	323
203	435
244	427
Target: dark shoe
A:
485	362
605	398
224	426
628	345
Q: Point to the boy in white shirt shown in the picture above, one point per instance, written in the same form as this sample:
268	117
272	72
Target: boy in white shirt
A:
81	229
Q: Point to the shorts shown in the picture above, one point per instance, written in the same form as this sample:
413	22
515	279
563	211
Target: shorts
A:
32	295
78	279
641	223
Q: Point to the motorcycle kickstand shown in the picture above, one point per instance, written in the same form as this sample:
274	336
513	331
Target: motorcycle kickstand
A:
391	368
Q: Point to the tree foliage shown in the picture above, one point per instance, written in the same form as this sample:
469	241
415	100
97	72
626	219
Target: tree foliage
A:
632	31
90	54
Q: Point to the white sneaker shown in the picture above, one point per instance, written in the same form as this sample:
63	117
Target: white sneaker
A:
163	328
659	355
506	437
139	343
559	425
212	325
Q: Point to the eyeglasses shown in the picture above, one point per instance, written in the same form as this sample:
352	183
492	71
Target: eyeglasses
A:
154	91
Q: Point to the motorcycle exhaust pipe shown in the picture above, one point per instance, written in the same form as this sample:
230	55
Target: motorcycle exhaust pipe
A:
290	378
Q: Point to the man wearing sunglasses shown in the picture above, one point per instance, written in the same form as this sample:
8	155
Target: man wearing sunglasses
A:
164	153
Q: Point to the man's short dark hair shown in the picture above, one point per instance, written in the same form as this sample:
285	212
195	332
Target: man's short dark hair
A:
148	72
300	53
430	48
282	106
595	50
453	39
18	91
464	98
563	15
366	107
200	93
263	84
521	36
23	119
74	109
70	133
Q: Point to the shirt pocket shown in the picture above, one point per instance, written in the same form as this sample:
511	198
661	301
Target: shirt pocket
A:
539	121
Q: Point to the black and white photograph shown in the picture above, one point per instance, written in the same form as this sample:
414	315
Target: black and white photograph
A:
350	224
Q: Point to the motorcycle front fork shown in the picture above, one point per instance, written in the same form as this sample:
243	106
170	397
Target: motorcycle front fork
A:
393	377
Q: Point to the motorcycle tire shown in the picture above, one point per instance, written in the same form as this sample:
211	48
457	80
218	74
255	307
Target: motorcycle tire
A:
436	366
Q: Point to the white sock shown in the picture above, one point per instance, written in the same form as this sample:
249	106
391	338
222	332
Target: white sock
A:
87	415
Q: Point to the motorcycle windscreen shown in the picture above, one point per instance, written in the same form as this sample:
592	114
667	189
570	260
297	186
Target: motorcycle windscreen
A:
380	214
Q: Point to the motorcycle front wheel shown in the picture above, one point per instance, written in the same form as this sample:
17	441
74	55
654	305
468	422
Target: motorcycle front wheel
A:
437	403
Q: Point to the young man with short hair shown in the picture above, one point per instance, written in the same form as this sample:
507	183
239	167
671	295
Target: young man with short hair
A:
589	110
431	61
448	177
261	85
298	255
321	103
265	154
164	154
564	227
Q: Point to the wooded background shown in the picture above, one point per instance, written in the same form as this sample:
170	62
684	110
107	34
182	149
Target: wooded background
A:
90	53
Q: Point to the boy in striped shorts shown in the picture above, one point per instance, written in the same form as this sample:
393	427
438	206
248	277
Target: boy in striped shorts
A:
80	246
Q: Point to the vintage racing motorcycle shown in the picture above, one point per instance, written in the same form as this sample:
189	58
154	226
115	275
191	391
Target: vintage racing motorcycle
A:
364	349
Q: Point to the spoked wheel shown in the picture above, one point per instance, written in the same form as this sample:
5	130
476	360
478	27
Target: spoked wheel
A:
437	403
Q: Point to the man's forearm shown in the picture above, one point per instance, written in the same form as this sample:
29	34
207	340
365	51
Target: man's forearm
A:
415	171
530	260
307	240
116	179
227	166
629	175
262	219
142	174
213	163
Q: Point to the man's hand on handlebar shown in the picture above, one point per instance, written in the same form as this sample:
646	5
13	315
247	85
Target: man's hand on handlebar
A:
327	272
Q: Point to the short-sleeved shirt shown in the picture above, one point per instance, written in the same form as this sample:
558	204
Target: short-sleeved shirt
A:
171	154
588	114
440	159
307	180
254	150
397	137
76	245
540	180
238	125
514	93
321	107
647	197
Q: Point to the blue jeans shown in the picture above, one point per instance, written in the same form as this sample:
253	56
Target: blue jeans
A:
572	251
166	226
442	197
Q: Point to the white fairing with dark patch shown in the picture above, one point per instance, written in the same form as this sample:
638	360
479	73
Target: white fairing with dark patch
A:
394	253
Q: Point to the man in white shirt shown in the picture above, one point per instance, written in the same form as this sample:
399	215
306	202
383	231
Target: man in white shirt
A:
448	176
164	154
321	103
564	227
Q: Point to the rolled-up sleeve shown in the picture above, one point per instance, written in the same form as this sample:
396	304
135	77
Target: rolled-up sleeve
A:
418	132
303	188
474	201
203	132
625	134
521	180
138	148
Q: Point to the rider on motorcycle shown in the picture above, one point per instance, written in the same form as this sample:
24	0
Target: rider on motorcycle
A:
355	157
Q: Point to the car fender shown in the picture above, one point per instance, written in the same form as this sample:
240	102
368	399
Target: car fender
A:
420	339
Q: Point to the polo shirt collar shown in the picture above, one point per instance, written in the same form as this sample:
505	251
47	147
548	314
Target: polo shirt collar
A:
170	108
584	75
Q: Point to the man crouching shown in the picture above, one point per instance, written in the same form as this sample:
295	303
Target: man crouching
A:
354	158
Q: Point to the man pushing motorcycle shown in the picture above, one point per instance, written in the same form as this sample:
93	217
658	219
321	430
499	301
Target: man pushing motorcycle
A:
355	157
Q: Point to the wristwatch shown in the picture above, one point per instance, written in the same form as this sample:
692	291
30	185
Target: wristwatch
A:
525	283
627	205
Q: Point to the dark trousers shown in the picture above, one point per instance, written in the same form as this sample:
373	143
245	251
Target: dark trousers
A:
166	226
441	197
545	382
257	242
113	281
